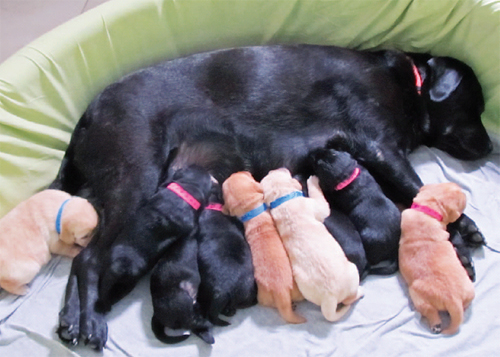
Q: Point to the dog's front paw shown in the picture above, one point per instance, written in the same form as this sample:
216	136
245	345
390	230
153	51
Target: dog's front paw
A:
69	325
94	330
469	231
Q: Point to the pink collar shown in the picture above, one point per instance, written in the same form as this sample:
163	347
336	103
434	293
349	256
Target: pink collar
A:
418	79
427	210
182	193
214	207
347	182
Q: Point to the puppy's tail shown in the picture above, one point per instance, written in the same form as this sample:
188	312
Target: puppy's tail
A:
332	311
456	311
283	302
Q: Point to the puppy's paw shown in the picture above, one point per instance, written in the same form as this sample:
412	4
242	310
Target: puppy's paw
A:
469	231
436	329
69	325
94	330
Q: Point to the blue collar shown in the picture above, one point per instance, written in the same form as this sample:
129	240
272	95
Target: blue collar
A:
59	216
285	198
254	213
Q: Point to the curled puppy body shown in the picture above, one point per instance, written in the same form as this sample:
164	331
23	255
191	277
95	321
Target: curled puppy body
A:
352	189
323	274
345	233
427	260
174	288
50	221
225	262
244	198
170	214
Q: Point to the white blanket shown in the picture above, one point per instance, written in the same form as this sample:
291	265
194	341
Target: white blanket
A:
383	323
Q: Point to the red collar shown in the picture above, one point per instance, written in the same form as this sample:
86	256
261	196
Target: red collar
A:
347	182
427	210
182	193
418	79
214	206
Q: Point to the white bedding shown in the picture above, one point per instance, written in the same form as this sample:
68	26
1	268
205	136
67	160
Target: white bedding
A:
383	323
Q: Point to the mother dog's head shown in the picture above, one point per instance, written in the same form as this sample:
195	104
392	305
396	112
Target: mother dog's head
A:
454	103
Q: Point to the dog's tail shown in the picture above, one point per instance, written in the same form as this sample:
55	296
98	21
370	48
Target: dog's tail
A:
283	301
332	310
456	311
69	178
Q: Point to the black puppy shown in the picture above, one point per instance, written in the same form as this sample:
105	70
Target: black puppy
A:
225	262
350	187
174	290
170	214
277	103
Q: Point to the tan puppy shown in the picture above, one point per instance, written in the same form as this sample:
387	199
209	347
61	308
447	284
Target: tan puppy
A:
243	198
28	235
427	260
323	274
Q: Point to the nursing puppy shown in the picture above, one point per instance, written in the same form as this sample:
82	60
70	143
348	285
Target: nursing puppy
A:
352	189
225	262
170	214
174	288
50	221
244	198
322	272
427	260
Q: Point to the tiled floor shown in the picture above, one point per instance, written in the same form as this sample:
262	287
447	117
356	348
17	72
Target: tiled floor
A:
22	21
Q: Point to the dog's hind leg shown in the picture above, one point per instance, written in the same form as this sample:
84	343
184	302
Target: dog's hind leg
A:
424	308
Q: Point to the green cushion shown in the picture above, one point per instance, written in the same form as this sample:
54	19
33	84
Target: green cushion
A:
46	86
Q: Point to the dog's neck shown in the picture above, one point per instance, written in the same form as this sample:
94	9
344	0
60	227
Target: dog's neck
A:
428	211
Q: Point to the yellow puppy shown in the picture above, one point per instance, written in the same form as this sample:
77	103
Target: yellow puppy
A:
427	260
243	198
29	233
323	274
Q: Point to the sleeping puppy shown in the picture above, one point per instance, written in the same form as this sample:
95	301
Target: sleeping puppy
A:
225	262
350	188
50	221
340	226
171	214
323	274
244	199
174	288
427	261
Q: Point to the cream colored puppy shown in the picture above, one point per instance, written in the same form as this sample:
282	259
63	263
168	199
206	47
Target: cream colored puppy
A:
50	221
323	274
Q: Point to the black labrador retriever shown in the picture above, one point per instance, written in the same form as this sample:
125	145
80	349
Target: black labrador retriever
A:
277	103
350	188
225	262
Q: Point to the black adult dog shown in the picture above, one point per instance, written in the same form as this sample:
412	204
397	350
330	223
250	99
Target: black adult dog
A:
350	188
225	262
277	103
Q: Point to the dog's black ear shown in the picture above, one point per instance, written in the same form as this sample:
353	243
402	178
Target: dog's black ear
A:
444	79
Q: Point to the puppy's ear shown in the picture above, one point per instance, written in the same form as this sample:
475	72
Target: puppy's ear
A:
444	80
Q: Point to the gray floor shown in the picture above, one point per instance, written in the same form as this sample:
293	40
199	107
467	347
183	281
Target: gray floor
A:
22	21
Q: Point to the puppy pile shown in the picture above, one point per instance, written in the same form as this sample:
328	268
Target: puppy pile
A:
213	249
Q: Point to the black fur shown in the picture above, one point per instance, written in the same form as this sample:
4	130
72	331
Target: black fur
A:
225	263
277	103
376	218
174	290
